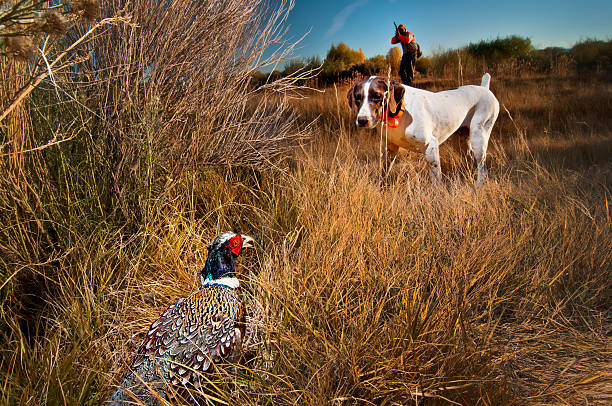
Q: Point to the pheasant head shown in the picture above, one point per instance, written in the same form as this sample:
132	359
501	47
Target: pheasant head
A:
222	254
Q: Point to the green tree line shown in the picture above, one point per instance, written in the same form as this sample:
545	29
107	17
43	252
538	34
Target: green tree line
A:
344	63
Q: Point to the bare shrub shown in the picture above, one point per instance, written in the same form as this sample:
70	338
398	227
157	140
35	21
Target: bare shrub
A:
174	81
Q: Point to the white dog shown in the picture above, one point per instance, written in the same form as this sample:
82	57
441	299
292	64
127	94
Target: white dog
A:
426	119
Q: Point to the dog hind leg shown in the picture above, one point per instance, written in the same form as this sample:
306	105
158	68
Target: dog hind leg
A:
479	140
432	156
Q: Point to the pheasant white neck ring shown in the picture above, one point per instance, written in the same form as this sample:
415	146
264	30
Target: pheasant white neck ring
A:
230	282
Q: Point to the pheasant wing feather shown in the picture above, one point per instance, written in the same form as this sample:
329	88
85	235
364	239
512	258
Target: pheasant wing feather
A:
196	332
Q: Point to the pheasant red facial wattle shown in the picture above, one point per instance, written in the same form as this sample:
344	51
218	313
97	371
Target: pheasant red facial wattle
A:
235	244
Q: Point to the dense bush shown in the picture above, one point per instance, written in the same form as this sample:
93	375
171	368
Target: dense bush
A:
297	67
338	62
376	65
342	55
424	65
500	49
593	53
513	55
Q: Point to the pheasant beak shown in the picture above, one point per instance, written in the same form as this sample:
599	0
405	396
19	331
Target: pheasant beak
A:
247	242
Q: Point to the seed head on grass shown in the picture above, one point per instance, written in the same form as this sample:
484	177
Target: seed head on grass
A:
52	23
88	7
20	47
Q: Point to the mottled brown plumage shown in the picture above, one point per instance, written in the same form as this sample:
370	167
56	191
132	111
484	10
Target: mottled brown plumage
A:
196	332
193	334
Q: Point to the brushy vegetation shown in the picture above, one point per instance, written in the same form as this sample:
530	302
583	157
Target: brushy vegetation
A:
513	55
593	54
500	50
374	294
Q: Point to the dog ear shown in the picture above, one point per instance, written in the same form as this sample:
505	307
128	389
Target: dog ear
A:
351	97
396	94
398	91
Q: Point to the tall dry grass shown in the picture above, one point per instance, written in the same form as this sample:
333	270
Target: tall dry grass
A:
401	294
91	158
492	295
409	293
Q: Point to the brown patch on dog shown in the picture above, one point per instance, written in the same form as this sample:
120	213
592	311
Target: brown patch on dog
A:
353	94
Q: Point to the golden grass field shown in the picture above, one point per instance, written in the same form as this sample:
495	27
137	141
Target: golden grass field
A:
389	293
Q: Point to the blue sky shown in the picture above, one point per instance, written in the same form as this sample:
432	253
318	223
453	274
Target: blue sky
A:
368	24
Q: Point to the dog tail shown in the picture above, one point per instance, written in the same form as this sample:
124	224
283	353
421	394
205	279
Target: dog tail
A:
486	80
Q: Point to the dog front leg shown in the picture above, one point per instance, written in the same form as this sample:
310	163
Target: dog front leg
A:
392	151
432	156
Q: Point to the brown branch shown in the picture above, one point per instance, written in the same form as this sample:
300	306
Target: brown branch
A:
35	80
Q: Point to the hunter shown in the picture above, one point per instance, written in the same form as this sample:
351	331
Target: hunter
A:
411	51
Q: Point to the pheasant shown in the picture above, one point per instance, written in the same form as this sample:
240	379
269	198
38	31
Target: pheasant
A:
192	334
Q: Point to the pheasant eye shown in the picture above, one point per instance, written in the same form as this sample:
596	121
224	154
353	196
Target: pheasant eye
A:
234	242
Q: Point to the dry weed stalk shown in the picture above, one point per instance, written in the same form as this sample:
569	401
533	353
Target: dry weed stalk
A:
178	79
63	60
24	22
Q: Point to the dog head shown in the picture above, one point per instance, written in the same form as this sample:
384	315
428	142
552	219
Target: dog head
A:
367	97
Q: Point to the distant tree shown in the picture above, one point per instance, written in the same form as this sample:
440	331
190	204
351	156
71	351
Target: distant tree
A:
310	66
294	66
361	55
314	62
394	57
343	57
258	77
275	75
311	63
377	65
593	53
501	49
552	52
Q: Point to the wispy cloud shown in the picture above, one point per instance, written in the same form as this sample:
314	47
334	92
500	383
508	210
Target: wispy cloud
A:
340	18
